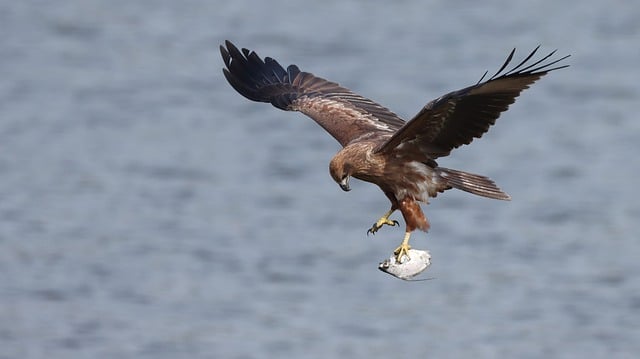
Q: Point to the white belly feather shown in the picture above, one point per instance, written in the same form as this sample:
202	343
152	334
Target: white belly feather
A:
420	182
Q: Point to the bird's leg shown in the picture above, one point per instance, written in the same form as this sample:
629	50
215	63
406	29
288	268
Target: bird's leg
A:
415	219
382	221
403	248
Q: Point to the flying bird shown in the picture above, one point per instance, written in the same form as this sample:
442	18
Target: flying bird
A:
380	147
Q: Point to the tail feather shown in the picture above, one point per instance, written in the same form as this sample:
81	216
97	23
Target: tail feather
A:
472	183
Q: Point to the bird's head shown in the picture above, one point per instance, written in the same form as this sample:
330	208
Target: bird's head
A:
340	171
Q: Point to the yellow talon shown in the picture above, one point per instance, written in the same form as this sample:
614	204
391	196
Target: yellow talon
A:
403	248
381	222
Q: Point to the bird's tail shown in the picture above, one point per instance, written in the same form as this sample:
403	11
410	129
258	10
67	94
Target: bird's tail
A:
472	183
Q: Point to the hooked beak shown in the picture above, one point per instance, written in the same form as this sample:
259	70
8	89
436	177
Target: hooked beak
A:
344	184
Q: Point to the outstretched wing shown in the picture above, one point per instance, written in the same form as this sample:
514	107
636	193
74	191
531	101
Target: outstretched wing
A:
341	112
456	118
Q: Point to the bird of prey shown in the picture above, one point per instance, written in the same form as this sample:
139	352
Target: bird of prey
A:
378	146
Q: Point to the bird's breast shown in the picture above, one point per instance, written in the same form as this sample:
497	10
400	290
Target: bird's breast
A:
414	179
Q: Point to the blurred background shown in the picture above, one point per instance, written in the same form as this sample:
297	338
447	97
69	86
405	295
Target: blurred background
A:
149	211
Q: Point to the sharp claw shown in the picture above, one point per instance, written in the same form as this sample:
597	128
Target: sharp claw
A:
380	223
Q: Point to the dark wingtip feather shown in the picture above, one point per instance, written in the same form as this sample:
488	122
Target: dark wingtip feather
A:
529	57
546	66
253	77
225	56
482	77
506	62
231	48
292	71
538	67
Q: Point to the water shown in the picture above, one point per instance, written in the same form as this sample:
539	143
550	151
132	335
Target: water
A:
149	211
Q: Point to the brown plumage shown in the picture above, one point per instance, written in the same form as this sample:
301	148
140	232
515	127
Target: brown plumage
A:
378	146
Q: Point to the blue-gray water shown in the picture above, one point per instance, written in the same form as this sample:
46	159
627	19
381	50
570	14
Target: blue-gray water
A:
149	211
